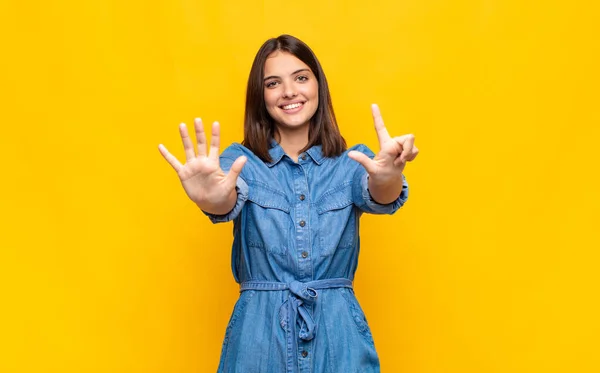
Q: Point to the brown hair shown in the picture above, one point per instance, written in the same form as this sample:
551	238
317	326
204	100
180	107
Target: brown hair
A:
259	127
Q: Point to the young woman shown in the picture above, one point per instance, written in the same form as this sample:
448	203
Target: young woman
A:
295	195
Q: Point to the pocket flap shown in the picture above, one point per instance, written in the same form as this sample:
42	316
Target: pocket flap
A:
267	197
335	199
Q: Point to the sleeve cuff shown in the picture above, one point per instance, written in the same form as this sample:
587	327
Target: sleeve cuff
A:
371	206
242	196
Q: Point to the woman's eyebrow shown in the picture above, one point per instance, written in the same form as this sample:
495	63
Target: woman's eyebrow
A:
295	72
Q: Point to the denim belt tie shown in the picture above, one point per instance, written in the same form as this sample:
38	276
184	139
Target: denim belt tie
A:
294	310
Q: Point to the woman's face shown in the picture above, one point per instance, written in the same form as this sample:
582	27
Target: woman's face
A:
291	91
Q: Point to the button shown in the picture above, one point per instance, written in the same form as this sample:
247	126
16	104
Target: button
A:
302	223
304	353
303	157
304	254
302	197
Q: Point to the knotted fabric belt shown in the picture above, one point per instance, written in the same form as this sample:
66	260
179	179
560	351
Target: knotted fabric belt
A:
295	310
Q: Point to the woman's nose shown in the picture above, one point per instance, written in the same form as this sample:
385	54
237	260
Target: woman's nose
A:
289	91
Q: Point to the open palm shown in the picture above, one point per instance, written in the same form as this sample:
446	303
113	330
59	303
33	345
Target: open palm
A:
202	178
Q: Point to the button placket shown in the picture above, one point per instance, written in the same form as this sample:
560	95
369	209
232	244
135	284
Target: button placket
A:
304	356
301	217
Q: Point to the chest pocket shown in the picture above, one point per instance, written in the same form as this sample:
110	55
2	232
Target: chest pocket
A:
338	225
268	219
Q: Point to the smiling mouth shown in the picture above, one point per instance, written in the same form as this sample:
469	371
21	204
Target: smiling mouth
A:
292	106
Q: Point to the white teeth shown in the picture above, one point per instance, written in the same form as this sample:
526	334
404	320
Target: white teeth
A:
291	106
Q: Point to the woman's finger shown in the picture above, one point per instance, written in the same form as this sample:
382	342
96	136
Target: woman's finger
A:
200	137
382	132
414	154
236	169
214	142
365	161
188	146
169	157
399	162
407	143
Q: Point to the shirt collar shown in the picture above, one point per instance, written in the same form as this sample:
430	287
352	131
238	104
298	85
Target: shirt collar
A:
316	153
276	152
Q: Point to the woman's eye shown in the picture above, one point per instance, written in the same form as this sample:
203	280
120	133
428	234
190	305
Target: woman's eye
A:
302	78
270	84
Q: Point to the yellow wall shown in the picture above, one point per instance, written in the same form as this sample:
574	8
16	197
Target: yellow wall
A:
105	266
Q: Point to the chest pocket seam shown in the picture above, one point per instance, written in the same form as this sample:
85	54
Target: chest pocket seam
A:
336	198
267	198
272	198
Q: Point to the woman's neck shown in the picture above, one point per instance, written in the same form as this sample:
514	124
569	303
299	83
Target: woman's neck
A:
292	141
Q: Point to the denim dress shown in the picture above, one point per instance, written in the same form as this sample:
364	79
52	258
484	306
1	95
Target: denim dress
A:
295	252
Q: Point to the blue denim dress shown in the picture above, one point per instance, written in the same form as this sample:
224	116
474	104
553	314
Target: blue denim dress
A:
295	252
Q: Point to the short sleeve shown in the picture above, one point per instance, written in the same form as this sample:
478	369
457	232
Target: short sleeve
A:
362	197
242	195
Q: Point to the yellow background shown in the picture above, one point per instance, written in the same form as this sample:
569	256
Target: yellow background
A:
105	266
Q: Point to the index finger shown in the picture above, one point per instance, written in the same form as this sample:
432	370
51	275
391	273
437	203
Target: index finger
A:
382	133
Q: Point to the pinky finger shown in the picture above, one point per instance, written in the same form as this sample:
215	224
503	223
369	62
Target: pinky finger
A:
413	154
169	158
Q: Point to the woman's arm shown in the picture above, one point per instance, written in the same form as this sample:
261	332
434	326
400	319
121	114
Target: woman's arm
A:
387	191
385	170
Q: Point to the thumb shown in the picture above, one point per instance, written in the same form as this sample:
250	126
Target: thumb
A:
236	169
365	161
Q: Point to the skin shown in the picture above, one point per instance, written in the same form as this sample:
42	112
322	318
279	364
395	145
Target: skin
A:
287	80
385	170
201	176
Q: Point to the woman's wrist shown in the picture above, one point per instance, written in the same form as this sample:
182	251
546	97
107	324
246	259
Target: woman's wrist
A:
385	191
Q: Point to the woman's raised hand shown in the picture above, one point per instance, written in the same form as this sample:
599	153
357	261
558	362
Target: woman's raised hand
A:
394	152
202	178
